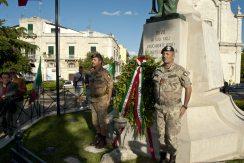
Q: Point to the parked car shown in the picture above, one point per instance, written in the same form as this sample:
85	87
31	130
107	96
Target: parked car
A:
68	84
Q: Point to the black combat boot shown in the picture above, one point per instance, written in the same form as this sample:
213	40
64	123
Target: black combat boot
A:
96	139
163	158
172	159
102	143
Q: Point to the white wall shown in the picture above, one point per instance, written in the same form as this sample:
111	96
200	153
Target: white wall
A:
82	41
227	29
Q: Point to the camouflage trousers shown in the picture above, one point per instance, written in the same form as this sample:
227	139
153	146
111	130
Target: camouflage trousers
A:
168	125
99	116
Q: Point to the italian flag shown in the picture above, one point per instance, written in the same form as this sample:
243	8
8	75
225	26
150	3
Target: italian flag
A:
36	85
22	2
38	78
111	69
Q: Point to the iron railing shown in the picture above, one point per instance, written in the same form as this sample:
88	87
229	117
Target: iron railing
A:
42	106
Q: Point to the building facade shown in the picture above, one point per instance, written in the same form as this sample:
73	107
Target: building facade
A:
124	54
228	27
74	45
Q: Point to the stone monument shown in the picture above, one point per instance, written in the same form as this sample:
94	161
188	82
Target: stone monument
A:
165	10
164	7
213	127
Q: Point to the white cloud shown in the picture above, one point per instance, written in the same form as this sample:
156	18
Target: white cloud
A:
119	13
130	13
116	13
133	53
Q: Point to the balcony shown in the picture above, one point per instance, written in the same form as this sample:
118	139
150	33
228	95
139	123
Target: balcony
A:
71	58
49	57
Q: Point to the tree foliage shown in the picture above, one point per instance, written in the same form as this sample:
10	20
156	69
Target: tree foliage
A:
123	84
4	2
86	63
13	50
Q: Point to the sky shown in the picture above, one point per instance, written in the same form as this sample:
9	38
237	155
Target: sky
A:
123	18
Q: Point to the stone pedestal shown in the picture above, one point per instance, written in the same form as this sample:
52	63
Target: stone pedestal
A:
213	127
212	130
118	155
173	32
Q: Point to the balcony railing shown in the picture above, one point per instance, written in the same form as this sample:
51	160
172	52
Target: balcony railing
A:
49	57
71	58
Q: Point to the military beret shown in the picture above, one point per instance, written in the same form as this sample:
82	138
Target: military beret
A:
167	48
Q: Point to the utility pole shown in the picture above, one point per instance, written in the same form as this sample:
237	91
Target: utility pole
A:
57	31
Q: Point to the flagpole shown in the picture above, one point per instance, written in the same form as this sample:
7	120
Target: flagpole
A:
57	53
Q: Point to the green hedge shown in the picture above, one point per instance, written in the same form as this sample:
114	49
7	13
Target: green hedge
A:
47	85
29	86
242	80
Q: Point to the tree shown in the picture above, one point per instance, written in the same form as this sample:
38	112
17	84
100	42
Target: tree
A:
4	2
13	50
86	63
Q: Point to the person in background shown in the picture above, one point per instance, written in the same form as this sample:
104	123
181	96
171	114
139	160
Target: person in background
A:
78	81
20	83
87	81
8	92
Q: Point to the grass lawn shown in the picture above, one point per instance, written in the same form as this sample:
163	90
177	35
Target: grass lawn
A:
242	80
240	103
69	134
68	137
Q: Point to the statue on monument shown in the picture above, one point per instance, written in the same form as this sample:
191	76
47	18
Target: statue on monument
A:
165	7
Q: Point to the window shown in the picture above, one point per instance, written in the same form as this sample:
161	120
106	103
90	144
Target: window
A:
52	30
93	49
30	28
50	50
33	51
32	54
71	50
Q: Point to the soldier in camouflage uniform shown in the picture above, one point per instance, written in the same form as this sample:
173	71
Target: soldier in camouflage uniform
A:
169	80
101	86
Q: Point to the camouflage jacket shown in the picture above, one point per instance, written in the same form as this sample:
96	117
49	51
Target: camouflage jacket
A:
169	83
100	84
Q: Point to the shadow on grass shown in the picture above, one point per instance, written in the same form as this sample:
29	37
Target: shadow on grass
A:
68	134
88	117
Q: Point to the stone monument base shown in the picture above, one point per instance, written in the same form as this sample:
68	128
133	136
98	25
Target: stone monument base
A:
118	155
212	130
213	126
